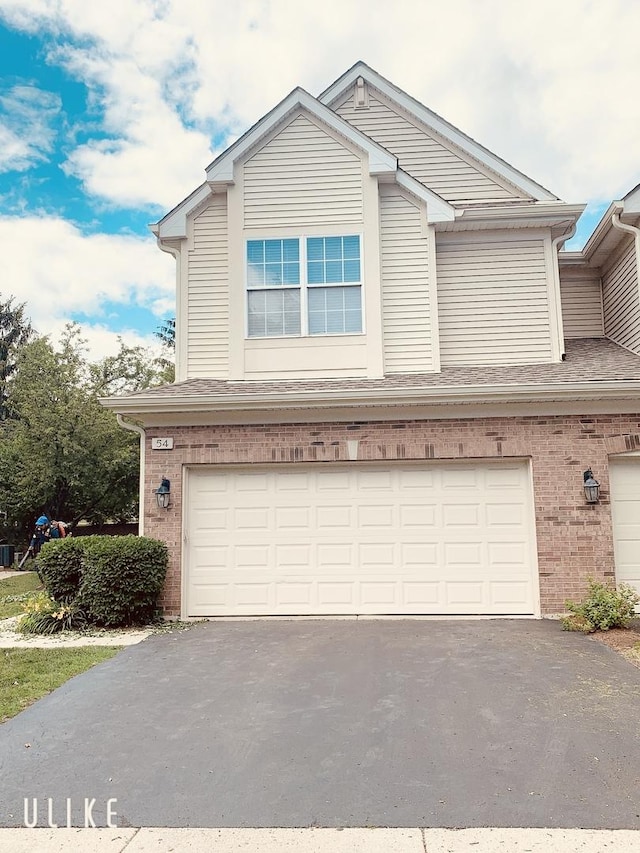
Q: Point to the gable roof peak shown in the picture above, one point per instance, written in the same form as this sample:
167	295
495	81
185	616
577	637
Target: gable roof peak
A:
436	123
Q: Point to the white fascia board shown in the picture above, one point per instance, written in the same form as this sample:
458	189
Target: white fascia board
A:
412	412
438	210
614	390
559	210
381	162
601	230
526	215
434	121
173	226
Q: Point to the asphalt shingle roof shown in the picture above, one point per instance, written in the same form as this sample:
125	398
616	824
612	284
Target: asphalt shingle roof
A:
587	360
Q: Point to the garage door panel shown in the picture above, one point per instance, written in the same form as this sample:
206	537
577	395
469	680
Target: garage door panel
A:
377	556
459	478
210	520
338	481
465	593
422	594
418	555
401	538
252	483
378	592
298	556
335	556
462	554
292	518
417	515
505	515
297	594
336	593
252	518
298	482
209	557
420	479
376	516
507	553
509	592
334	517
504	477
250	556
461	515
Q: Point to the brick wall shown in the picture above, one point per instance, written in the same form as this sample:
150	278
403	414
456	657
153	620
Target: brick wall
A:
574	538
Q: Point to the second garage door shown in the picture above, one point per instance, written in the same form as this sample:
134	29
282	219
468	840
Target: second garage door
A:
401	539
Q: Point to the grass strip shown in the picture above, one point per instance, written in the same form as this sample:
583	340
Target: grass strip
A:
14	591
28	674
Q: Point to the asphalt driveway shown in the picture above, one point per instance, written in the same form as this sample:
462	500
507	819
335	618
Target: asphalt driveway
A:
338	723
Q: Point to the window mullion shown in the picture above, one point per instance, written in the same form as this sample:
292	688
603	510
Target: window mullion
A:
304	319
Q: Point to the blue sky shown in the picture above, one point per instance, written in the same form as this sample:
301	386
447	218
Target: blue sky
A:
109	114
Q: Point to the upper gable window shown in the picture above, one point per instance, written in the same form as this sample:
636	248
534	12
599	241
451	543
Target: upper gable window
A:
304	286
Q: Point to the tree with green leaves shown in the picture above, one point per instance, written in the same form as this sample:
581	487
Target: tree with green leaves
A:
63	454
167	333
15	332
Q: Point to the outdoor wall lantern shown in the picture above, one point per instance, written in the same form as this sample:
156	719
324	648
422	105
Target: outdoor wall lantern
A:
163	493
591	487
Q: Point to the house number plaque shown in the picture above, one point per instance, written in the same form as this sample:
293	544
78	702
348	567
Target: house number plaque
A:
163	443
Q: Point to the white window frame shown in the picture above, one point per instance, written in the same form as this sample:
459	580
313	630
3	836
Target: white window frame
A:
303	287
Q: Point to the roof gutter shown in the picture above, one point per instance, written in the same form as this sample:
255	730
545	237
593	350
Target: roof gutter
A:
437	395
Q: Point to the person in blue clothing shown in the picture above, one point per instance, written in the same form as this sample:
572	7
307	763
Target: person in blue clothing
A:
58	530
41	535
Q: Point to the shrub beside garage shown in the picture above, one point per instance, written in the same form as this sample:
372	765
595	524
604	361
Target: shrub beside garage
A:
113	581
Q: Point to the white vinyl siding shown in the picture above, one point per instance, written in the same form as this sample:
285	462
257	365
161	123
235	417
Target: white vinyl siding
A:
350	539
581	295
302	176
493	301
621	301
439	166
208	293
406	309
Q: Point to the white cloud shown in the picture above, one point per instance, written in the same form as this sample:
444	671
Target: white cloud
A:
57	271
549	87
26	132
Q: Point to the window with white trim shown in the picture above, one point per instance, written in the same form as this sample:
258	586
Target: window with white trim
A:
304	286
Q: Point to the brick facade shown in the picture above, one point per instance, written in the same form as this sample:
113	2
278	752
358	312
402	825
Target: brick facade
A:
574	538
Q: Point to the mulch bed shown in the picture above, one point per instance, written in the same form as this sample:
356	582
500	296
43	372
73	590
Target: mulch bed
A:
625	641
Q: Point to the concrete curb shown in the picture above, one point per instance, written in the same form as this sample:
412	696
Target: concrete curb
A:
374	840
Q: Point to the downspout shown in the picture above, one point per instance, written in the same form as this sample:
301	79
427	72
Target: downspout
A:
135	428
557	244
630	229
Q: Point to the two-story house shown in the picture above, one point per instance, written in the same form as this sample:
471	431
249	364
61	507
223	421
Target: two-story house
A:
390	380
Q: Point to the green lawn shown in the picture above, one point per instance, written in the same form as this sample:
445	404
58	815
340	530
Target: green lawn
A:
28	674
18	586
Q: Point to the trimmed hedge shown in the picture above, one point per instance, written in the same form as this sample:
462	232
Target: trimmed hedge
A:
122	577
115	580
59	567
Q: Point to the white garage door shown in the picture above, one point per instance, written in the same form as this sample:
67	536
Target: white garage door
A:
625	509
405	539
